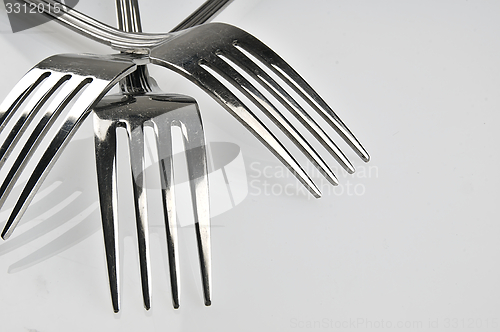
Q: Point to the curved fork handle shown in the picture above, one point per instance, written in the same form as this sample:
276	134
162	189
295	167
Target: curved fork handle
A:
120	40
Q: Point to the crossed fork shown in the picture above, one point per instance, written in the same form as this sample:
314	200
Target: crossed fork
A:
213	56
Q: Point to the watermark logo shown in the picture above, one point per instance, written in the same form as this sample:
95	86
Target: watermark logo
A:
271	180
23	16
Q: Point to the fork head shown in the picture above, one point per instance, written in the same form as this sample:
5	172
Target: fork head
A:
48	88
215	52
161	112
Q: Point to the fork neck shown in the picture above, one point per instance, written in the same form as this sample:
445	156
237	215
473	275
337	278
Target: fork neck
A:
129	20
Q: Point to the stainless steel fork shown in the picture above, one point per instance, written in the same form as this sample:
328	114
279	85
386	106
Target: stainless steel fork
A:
54	82
204	52
160	111
140	104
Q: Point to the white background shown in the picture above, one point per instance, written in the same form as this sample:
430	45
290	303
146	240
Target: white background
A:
415	248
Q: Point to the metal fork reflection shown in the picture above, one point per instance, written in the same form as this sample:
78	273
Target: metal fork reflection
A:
140	104
214	56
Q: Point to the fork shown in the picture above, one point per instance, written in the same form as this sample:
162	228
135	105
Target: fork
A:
143	103
54	82
197	53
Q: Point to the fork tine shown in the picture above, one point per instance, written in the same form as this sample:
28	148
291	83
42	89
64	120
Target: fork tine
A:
231	75
136	146
196	157
242	113
47	89
163	142
273	61
252	69
19	93
105	152
72	122
61	100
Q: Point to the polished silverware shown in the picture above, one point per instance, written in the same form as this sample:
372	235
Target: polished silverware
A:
140	104
145	105
9	109
215	56
54	82
204	52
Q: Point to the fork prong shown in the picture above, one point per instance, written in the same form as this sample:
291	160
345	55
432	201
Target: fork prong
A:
281	68
136	146
196	158
26	115
256	72
72	122
242	113
105	152
163	142
60	101
19	93
242	84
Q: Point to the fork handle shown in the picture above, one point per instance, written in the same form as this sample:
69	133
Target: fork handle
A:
205	13
98	31
129	18
120	40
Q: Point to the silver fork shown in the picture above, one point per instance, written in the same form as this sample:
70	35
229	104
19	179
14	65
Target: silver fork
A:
140	104
198	52
58	79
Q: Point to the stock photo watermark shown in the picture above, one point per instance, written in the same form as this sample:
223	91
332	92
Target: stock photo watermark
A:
448	323
23	15
262	180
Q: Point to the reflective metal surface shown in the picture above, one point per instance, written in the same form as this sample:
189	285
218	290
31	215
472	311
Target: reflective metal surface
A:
140	104
200	54
62	77
161	112
29	83
120	40
209	46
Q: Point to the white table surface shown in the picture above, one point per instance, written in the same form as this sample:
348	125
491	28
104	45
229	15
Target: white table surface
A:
408	243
